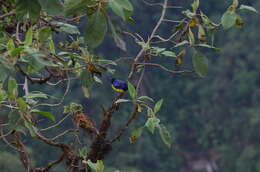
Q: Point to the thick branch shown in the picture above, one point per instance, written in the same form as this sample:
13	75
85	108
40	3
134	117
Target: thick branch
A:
132	117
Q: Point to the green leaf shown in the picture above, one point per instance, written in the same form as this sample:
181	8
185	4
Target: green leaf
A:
10	46
132	91
45	114
100	166
52	7
181	43
30	127
16	122
122	101
28	8
96	29
120	43
2	95
201	34
12	90
107	62
200	63
228	19
36	95
36	60
85	91
6	68
151	123
150	112
158	106
191	37
249	8
195	5
44	33
209	46
145	98
96	79
135	134
16	51
235	3
169	54
73	7
92	165
67	28
23	107
52	46
122	8
28	37
165	136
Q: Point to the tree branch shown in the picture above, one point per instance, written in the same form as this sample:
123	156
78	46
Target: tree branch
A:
164	68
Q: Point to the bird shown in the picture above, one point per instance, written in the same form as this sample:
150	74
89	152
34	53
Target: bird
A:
118	85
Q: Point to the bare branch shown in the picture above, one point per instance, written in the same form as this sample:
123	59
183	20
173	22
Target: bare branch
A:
62	98
164	68
17	33
131	118
63	133
140	79
57	124
8	14
141	52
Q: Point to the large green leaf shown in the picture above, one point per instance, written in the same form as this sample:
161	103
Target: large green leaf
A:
120	43
122	8
35	60
23	107
30	127
28	37
31	8
165	135
6	68
135	134
132	91
158	106
200	63
86	82
52	7
73	7
12	90
151	123
45	114
96	29
67	28
44	33
228	19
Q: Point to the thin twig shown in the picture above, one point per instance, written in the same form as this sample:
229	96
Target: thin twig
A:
140	54
63	133
62	98
7	14
163	39
9	144
5	135
164	68
57	124
17	33
140	79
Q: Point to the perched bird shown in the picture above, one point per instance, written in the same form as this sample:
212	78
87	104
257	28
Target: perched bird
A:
118	85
